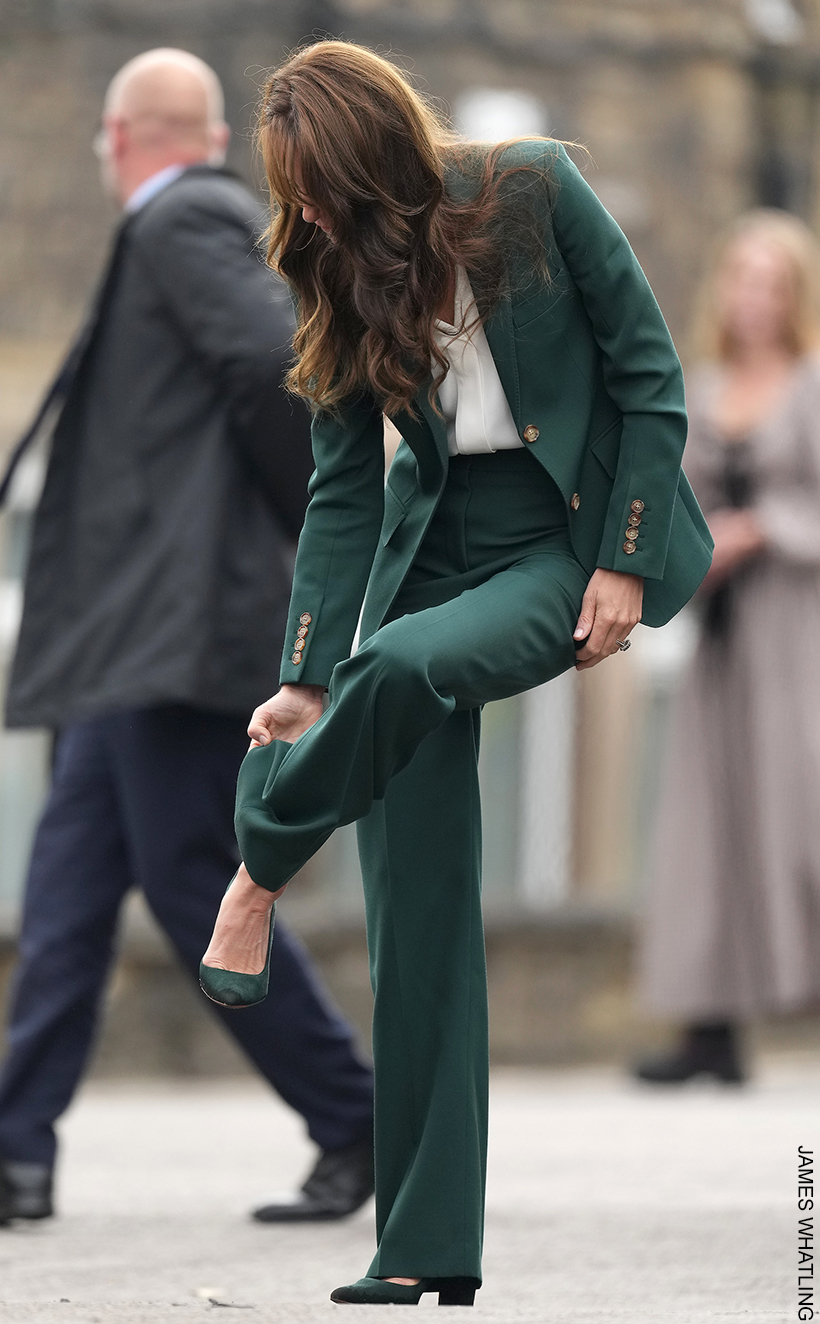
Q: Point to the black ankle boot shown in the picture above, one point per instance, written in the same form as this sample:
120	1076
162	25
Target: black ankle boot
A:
706	1050
340	1183
25	1190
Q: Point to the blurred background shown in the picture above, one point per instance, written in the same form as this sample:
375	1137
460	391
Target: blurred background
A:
693	111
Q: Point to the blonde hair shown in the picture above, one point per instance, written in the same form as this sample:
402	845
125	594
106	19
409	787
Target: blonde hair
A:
711	338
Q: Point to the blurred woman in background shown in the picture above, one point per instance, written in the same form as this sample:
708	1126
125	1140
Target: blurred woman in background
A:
733	925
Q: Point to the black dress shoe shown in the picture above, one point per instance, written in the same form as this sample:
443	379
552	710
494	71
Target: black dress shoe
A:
338	1185
5	1201
706	1050
25	1190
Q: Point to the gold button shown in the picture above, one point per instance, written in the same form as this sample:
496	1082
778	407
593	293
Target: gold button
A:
306	617
299	645
576	501
629	548
301	632
632	534
296	659
531	433
637	506
634	521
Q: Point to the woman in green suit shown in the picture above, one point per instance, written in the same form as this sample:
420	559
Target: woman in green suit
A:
487	303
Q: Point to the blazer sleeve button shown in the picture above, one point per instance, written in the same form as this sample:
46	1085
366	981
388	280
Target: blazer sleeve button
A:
531	433
296	659
637	506
629	548
305	618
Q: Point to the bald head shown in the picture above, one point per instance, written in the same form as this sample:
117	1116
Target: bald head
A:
163	108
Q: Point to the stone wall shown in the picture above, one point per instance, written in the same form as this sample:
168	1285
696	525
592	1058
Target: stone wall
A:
666	95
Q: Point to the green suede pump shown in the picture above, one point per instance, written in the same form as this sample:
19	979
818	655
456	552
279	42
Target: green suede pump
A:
379	1292
229	988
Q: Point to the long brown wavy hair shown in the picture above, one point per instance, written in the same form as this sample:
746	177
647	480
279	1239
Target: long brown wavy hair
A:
343	130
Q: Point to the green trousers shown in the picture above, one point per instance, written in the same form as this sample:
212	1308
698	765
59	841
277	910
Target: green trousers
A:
487	611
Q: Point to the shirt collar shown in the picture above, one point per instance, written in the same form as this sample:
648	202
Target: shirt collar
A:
151	186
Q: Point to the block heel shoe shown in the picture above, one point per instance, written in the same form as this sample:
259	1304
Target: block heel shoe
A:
229	988
379	1292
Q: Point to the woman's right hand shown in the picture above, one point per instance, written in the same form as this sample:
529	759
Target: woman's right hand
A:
287	715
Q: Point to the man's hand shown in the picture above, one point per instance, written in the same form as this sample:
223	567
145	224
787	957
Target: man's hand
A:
609	612
287	715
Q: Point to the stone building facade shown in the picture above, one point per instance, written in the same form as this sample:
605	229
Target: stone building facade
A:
692	109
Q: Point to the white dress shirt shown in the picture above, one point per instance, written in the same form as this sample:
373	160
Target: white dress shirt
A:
149	187
478	417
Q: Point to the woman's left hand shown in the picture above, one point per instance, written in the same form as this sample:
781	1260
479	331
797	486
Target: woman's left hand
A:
610	610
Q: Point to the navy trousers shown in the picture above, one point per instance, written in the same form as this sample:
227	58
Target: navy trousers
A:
145	799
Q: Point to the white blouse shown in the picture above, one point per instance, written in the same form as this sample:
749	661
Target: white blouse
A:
478	418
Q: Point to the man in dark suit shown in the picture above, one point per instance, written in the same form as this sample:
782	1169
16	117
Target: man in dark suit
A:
155	603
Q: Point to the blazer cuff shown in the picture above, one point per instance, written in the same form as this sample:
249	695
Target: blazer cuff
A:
631	544
300	666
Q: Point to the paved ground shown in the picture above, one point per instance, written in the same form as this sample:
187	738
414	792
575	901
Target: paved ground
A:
607	1202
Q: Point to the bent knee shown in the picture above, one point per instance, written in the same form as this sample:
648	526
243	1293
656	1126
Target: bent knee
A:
388	659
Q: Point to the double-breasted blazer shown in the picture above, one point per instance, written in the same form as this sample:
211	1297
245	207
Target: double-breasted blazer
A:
596	390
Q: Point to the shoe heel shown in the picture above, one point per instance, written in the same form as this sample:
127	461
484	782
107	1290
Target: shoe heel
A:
457	1292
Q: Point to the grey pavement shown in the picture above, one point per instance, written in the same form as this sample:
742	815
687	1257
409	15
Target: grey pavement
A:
606	1201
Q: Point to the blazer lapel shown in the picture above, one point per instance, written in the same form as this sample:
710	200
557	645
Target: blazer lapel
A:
500	334
435	422
426	436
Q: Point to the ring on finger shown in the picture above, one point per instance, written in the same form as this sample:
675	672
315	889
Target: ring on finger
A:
624	644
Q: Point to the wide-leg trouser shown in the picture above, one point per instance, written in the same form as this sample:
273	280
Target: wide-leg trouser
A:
487	611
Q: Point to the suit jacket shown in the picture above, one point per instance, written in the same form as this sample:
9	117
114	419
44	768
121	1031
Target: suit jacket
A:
160	561
596	390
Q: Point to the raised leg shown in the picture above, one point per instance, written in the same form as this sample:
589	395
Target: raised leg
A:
512	632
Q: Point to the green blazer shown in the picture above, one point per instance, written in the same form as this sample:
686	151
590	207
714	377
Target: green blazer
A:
596	391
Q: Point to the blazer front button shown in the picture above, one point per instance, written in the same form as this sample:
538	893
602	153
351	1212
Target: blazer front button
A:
531	433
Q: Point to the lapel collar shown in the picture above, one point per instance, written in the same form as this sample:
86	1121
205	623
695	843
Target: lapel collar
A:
435	423
500	334
426	436
498	328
